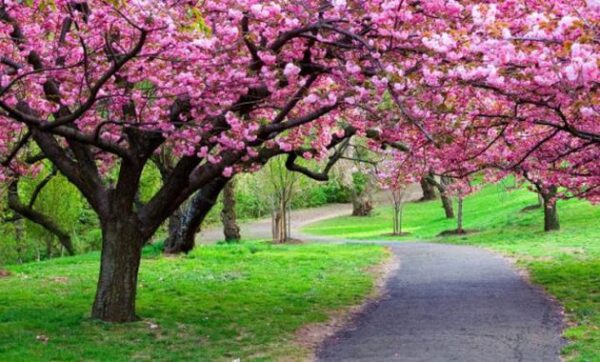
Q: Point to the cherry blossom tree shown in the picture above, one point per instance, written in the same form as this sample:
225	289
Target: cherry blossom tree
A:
222	86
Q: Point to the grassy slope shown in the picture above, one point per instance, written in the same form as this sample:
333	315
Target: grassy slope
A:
219	303
566	263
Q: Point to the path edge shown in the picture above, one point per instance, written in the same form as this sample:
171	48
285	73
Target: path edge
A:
312	336
565	321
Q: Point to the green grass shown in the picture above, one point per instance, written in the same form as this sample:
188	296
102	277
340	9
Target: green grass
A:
219	303
565	263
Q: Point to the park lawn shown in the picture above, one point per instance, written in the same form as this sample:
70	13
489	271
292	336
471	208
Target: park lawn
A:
565	263
221	302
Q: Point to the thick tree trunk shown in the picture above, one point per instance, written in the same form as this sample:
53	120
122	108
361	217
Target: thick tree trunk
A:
428	190
231	230
446	201
551	221
447	205
362	205
121	253
186	222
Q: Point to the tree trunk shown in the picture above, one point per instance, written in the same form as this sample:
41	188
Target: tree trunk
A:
362	205
428	190
551	221
446	201
280	223
121	254
231	230
186	222
459	219
398	220
447	205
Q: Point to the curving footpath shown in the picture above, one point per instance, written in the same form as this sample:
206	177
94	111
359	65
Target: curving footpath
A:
452	303
444	303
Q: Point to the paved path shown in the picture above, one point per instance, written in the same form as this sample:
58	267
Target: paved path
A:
261	229
444	303
452	303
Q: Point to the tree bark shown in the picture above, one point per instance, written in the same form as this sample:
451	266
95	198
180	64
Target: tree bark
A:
362	205
231	230
551	221
398	220
428	190
280	223
446	201
447	205
121	254
186	222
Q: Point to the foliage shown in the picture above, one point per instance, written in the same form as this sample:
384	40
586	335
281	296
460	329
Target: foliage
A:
566	262
60	200
218	303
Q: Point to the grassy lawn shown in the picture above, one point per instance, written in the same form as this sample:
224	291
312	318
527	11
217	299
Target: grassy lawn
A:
219	303
566	263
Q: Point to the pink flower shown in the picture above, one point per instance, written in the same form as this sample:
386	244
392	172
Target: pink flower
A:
228	171
291	70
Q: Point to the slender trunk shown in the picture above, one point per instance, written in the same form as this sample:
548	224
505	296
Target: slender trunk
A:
19	231
280	223
397	219
459	219
551	221
395	231
231	230
400	220
428	190
121	254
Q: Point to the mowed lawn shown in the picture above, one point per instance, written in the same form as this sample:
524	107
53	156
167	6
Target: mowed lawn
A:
565	263
220	303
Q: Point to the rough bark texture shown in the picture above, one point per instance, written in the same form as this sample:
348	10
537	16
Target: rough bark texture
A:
281	223
446	200
184	226
231	230
362	206
551	221
121	253
428	190
447	205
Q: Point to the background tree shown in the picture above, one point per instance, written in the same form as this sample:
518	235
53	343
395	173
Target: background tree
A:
428	188
283	186
231	230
